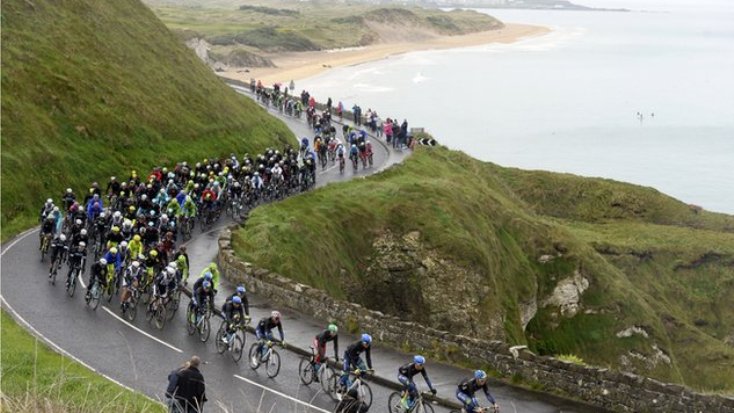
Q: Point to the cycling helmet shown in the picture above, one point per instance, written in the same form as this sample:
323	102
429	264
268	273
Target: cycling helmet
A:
237	300
136	264
117	214
136	237
82	244
153	253
480	375
275	315
112	178
141	257
127	224
78	222
419	360
115	229
123	244
208	275
68	190
164	217
366	338
173	265
62	237
56	209
102	214
131	208
333	328
240	289
84	231
206	284
49	201
170	271
113	250
103	261
49	217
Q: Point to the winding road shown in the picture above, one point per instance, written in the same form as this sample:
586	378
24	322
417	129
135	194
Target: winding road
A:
139	356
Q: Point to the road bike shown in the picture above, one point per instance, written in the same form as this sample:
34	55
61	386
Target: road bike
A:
309	371
186	227
363	390
56	265
74	272
45	243
199	321
395	403
173	302
95	293
270	357
342	162
233	341
130	307
157	311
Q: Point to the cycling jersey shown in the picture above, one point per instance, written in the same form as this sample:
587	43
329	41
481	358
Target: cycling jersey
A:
266	325
355	350
469	387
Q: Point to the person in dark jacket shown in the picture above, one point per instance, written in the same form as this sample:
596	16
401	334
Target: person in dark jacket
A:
186	388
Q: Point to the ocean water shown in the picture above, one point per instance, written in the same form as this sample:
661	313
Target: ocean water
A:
569	101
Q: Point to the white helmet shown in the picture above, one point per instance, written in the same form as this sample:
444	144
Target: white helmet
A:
78	222
82	244
62	237
68	190
103	261
49	201
117	214
136	264
123	244
84	231
173	265
170	271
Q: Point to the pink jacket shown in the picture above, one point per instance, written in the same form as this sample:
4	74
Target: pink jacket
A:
387	128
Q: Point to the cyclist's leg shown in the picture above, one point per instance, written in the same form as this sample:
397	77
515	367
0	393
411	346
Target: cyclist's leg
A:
344	379
360	364
470	403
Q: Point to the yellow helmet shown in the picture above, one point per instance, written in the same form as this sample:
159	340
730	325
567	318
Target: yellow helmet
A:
136	237
153	253
115	229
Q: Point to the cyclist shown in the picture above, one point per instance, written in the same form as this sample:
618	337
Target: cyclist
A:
46	209
468	387
405	377
353	153
214	272
58	250
77	257
97	273
319	343
241	293
232	312
132	278
201	297
114	237
47	229
182	261
352	358
135	246
264	330
163	283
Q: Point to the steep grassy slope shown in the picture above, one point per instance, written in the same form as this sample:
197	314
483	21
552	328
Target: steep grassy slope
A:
528	257
94	88
36	379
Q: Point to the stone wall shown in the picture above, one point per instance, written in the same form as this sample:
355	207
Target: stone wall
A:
609	389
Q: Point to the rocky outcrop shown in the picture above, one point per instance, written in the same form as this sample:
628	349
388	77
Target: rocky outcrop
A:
567	295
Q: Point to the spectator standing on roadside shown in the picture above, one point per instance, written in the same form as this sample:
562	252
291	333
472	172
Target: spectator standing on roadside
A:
186	389
387	128
340	109
395	133
403	132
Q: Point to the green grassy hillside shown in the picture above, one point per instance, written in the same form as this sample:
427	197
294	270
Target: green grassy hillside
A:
36	379
620	275
95	88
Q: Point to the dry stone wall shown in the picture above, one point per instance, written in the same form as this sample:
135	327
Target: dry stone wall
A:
608	389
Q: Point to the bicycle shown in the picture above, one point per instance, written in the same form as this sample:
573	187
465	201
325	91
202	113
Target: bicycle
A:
186	226
395	403
341	165
45	243
157	312
271	358
199	322
172	302
111	288
130	307
235	341
364	392
95	293
75	271
327	376
56	265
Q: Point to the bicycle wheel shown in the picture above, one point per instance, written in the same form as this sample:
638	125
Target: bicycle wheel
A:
132	310
237	347
366	393
273	365
424	407
72	284
329	378
149	313
221	345
205	330
172	308
108	291
305	370
160	317
190	321
253	357
393	403
96	295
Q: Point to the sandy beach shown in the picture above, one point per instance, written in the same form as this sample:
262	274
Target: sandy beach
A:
300	65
